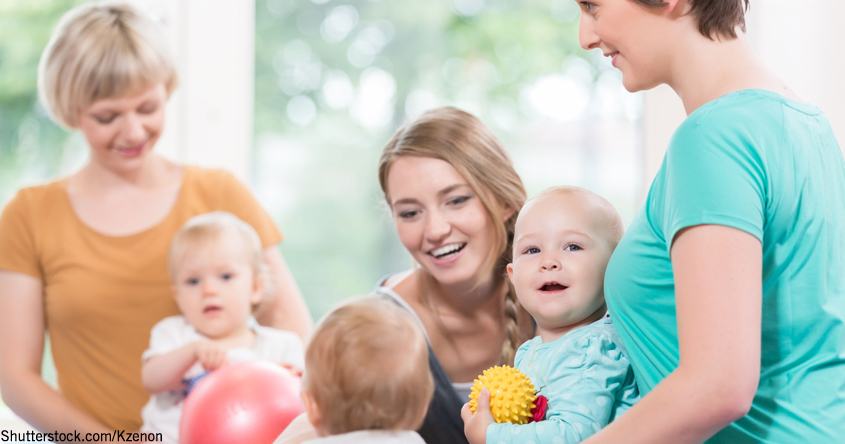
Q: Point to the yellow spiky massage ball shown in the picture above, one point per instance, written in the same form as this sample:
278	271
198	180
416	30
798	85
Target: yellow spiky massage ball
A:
511	394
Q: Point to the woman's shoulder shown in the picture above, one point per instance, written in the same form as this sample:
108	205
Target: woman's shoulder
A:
36	196
200	173
743	111
197	177
742	126
36	205
391	281
213	187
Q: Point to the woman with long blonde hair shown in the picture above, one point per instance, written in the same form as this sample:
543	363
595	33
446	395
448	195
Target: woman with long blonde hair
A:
454	196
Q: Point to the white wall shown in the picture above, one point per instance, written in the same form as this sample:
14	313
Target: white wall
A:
210	116
802	42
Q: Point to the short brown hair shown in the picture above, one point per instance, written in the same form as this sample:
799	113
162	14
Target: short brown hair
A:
719	17
100	51
366	368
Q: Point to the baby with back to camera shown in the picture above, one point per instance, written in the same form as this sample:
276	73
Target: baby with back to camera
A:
366	375
215	264
564	237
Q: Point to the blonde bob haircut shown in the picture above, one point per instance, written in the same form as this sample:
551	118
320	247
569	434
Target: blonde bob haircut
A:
366	368
201	231
101	51
464	142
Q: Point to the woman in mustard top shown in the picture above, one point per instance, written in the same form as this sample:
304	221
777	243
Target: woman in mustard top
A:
727	289
84	257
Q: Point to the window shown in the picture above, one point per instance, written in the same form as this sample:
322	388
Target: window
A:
335	78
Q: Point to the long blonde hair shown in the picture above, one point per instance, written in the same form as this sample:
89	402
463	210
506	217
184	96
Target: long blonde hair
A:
461	140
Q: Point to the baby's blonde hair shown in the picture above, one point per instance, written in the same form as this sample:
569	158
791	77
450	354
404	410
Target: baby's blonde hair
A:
100	51
366	368
200	230
604	212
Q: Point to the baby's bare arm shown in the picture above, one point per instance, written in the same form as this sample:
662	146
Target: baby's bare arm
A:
162	373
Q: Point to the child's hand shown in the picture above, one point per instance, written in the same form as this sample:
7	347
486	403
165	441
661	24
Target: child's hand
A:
475	425
211	355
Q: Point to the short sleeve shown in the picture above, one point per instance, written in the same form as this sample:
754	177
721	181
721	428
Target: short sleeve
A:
583	388
167	335
237	199
18	251
281	347
715	174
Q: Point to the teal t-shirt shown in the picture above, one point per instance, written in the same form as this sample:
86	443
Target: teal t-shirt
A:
759	162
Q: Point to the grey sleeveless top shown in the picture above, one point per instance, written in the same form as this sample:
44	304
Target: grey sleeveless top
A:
443	423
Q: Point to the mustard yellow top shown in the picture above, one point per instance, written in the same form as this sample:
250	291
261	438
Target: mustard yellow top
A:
103	294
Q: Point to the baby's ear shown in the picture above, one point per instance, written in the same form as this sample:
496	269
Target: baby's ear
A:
259	283
311	410
510	272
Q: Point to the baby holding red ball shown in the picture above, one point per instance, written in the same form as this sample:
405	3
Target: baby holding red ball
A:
563	240
216	268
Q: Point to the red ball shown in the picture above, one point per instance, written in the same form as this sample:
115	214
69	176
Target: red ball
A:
249	402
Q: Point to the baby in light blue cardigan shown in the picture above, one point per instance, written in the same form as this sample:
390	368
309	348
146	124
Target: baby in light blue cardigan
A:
563	239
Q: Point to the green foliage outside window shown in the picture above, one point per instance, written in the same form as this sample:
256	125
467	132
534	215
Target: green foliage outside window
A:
334	78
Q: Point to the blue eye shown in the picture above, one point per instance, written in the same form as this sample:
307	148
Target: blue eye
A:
531	250
226	276
192	281
573	247
408	214
587	6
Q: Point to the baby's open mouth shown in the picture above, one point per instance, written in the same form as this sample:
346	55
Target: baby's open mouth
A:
552	286
447	250
211	309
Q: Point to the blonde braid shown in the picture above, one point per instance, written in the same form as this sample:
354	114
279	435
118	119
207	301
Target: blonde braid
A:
513	338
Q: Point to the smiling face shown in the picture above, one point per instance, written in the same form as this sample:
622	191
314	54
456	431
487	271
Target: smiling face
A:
635	37
561	250
440	219
122	131
216	285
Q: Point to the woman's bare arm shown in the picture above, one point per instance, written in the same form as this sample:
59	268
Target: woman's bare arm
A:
285	308
718	291
21	349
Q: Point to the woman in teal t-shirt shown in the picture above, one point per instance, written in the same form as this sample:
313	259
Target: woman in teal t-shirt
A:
729	287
